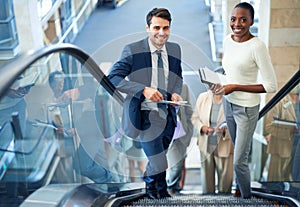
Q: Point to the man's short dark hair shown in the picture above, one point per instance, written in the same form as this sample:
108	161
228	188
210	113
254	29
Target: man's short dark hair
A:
55	77
158	12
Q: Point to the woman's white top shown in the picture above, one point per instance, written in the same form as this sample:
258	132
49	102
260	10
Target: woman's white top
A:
243	62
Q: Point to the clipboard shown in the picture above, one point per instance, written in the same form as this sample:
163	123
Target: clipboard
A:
210	78
283	122
179	103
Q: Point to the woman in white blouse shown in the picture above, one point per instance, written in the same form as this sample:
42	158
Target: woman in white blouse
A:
245	56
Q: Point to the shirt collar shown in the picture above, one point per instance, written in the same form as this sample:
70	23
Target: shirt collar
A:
153	49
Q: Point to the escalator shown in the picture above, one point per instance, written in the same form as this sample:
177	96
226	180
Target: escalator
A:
205	200
60	143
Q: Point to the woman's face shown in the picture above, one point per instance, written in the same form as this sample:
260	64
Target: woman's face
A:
240	23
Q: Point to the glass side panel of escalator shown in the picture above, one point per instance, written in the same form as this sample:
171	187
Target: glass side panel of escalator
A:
58	125
279	150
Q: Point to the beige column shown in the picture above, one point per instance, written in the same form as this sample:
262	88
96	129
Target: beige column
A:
29	27
284	37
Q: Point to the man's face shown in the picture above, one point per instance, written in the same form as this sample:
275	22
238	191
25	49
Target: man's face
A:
58	88
158	31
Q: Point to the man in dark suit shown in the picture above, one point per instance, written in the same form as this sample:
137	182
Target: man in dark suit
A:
149	72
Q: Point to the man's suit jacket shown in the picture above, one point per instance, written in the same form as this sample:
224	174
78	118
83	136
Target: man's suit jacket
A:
133	72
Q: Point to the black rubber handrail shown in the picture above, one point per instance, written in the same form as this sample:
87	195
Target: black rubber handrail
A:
13	69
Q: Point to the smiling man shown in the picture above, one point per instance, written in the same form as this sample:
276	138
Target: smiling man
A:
149	71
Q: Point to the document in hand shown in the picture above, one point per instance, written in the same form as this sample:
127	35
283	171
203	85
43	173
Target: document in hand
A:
209	77
283	122
179	103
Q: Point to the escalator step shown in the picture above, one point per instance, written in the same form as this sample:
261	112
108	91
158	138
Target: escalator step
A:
203	200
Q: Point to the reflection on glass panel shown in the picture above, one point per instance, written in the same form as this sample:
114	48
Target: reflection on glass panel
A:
281	131
27	149
59	125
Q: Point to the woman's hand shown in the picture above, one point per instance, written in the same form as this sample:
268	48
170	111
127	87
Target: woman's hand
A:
219	89
229	88
207	130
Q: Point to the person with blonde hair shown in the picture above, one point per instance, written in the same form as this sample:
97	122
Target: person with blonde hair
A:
215	145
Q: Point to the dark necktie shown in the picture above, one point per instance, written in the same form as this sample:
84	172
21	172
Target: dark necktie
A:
160	72
161	84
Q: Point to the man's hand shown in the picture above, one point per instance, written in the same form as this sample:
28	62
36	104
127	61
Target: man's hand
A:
268	137
19	93
176	97
152	94
72	94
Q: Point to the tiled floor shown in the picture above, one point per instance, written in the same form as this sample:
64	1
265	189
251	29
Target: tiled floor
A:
192	181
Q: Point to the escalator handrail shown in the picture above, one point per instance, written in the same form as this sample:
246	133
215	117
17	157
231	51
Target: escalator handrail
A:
293	82
13	69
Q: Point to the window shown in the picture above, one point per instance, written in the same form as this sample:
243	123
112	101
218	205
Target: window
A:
8	33
67	18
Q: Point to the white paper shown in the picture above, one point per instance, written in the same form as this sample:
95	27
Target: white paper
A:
180	103
210	77
179	131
